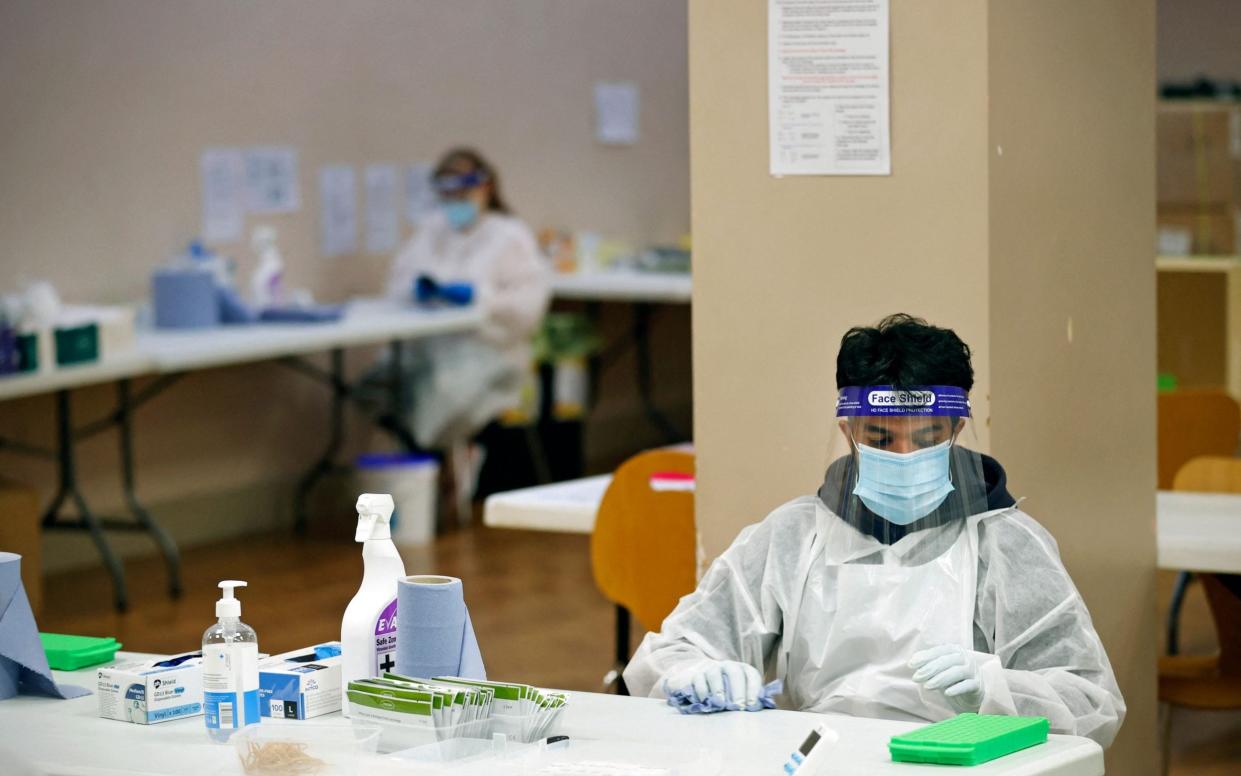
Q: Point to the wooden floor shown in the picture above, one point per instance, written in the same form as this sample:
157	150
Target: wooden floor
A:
537	614
535	609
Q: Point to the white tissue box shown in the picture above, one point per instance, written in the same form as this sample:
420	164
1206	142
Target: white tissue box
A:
297	685
147	693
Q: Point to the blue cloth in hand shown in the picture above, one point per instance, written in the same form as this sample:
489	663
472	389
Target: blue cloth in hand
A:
687	701
23	663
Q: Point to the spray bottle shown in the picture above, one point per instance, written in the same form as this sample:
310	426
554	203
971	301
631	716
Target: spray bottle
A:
230	669
368	631
265	283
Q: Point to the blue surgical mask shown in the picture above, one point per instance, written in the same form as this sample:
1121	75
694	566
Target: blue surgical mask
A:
460	213
903	487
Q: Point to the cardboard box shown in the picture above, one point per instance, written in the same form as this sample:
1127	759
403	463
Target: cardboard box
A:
1210	231
152	691
1198	147
300	684
19	533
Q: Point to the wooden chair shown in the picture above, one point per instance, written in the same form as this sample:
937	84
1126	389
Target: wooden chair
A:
1192	423
643	549
1210	681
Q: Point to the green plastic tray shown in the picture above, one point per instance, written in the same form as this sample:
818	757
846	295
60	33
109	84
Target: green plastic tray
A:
968	739
69	653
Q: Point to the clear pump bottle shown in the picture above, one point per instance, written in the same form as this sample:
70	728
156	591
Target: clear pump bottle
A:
230	669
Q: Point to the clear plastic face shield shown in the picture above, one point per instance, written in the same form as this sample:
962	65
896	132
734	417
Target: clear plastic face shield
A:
902	460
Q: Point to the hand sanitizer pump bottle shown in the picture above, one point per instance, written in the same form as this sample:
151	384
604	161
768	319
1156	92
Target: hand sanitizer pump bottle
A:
230	669
368	631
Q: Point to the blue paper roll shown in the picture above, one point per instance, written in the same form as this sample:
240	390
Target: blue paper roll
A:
434	636
184	298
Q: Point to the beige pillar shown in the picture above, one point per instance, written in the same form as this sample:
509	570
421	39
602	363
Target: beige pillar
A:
1019	212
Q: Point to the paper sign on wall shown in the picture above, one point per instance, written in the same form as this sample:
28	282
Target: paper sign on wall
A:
828	87
383	219
420	196
338	210
271	180
616	112
222	176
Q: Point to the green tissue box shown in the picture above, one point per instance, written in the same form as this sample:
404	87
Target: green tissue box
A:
69	653
968	739
77	345
27	352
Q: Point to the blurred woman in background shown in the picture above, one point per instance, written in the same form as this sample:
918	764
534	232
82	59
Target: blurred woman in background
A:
470	250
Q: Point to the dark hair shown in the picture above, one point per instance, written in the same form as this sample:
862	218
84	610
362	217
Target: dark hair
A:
905	352
452	163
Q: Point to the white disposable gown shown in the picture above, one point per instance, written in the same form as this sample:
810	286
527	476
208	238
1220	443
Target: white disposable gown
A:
837	614
462	382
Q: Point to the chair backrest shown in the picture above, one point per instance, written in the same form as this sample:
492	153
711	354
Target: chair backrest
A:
1210	474
643	548
1225	606
1193	423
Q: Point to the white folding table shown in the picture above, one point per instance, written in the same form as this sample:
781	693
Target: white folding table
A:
169	355
1199	531
67	737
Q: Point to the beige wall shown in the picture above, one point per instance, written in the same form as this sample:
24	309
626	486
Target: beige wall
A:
1006	249
1199	37
1073	310
108	105
786	266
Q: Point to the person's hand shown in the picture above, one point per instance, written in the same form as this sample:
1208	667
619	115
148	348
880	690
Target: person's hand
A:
727	683
425	288
952	669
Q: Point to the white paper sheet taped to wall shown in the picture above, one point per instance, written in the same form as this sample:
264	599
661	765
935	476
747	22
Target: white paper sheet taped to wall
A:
222	177
271	180
828	87
616	112
338	210
383	218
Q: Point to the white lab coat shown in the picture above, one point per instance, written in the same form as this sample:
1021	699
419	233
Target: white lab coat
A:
462	382
993	581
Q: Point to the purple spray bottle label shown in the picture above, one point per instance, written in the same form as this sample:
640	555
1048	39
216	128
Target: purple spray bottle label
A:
385	640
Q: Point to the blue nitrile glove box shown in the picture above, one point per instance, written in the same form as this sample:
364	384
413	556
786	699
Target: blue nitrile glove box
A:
301	684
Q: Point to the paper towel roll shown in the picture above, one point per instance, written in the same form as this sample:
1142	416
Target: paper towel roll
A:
434	633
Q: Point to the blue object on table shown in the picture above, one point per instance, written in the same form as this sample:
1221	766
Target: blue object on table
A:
425	289
434	635
428	290
324	651
10	356
184	298
233	309
313	314
23	663
687	701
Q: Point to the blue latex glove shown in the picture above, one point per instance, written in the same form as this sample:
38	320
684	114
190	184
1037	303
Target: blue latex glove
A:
425	289
457	293
952	669
709	686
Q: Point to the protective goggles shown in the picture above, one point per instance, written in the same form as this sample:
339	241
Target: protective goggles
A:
452	184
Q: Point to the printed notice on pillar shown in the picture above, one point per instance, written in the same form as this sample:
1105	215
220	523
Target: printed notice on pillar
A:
827	65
